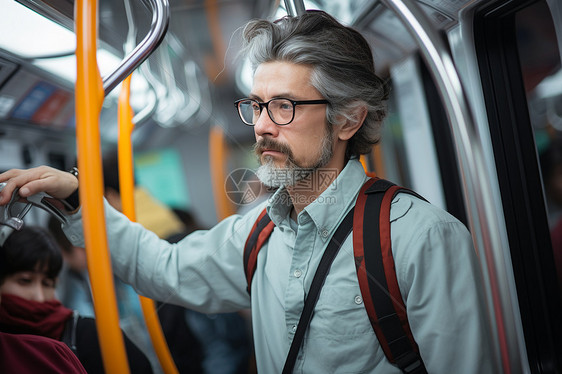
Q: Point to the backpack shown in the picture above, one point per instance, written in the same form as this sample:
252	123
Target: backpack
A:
69	332
375	270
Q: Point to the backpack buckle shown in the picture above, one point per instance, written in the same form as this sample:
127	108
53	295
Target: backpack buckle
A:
411	363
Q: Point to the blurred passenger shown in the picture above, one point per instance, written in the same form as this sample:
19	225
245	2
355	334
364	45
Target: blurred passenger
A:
73	286
31	262
150	212
74	291
185	348
224	337
199	343
36	354
21	354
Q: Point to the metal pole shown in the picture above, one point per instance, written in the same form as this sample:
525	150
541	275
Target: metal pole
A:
158	28
295	7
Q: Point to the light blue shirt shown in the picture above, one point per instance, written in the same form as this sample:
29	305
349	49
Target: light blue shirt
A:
436	266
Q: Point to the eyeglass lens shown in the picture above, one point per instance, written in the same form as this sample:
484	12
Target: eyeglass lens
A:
280	111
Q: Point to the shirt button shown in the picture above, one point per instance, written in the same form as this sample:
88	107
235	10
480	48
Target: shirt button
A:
324	233
358	300
297	273
294	328
304	219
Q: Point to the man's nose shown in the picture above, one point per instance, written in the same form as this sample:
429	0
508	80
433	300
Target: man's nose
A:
265	125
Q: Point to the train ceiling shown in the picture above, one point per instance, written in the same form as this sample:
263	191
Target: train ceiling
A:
197	62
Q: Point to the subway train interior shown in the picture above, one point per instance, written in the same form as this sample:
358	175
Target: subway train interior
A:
474	121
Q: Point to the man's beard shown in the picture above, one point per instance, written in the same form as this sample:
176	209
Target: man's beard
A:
292	172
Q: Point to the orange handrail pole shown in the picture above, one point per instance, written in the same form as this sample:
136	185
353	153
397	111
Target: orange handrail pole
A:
127	187
217	156
213	64
125	151
363	160
157	336
89	99
378	156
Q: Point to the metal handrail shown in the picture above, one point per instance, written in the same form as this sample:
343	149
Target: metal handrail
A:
483	220
173	98
294	7
150	108
158	28
193	95
156	87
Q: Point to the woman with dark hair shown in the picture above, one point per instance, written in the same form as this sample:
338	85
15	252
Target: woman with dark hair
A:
30	262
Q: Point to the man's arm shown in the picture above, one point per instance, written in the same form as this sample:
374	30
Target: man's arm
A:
204	271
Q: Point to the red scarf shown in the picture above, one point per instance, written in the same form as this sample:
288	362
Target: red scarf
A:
21	316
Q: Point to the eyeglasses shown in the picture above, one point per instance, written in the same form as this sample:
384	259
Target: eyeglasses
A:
280	110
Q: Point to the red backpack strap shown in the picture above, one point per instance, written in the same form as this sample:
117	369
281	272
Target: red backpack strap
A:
258	236
377	275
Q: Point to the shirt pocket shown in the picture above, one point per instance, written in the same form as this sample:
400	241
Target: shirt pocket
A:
340	337
339	313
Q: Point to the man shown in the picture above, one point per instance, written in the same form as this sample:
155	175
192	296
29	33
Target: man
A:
308	145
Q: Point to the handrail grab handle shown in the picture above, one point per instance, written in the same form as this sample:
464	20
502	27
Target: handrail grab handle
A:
158	28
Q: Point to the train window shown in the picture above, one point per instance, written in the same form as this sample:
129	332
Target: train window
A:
519	59
393	148
417	142
542	78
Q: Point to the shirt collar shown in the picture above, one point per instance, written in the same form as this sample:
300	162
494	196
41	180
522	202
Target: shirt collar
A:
329	208
279	206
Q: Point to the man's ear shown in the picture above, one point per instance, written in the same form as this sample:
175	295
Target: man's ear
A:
350	127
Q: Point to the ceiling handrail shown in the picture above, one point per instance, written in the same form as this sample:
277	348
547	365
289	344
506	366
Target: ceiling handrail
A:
173	98
158	28
157	88
483	219
149	109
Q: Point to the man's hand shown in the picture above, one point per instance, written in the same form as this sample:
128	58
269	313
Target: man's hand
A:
57	183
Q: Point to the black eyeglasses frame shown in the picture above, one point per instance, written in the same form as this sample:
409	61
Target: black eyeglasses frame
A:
266	104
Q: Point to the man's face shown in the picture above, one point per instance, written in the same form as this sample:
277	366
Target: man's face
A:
288	153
